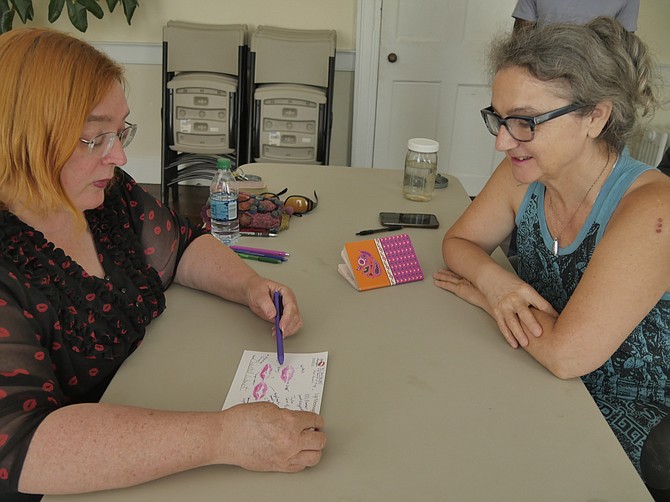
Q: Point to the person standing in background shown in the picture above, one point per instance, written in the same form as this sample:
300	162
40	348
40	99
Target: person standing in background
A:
531	12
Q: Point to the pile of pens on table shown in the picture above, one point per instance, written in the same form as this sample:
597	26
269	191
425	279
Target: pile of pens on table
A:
257	254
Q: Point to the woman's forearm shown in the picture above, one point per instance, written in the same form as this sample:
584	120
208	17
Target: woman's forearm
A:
470	261
210	266
553	350
90	447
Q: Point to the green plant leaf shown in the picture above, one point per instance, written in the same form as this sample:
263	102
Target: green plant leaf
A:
93	7
55	9
6	16
24	8
77	11
77	14
129	7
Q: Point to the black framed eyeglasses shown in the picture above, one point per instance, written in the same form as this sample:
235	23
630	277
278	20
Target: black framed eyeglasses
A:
521	127
103	143
299	203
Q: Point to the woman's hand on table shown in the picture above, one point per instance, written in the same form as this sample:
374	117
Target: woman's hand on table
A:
464	289
264	437
259	295
509	304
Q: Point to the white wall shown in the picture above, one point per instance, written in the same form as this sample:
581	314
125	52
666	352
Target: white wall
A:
653	28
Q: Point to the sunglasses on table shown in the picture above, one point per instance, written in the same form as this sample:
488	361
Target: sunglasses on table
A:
522	127
299	203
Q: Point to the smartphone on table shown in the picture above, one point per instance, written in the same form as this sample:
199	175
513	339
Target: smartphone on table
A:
419	220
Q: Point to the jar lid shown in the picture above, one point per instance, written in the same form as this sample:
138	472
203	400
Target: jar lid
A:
423	145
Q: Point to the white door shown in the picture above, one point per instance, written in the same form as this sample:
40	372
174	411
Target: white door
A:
432	83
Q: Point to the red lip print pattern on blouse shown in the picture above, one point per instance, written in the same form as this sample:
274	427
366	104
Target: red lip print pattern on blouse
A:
64	333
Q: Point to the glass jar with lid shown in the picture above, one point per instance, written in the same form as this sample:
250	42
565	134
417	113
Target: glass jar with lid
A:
420	169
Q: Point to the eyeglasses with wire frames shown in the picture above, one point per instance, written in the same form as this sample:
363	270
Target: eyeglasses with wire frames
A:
103	143
299	203
522	127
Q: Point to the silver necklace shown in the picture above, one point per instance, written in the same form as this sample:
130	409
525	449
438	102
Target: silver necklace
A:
555	246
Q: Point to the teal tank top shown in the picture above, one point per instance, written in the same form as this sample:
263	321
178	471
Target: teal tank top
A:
632	388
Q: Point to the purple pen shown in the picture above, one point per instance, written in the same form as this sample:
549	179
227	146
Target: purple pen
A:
264	252
279	307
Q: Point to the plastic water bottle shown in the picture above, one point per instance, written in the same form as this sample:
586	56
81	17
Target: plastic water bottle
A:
223	204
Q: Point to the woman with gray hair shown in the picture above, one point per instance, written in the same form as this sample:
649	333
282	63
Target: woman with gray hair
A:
592	295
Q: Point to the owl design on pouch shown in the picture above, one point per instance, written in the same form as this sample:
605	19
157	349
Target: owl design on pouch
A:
367	264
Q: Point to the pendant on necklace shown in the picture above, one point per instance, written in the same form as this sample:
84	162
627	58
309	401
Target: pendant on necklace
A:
554	247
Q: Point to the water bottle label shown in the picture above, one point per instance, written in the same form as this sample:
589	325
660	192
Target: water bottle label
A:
232	210
224	210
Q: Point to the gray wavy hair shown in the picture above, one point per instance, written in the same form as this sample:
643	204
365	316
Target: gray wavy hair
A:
588	64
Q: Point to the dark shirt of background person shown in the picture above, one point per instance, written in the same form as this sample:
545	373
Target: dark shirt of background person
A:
664	166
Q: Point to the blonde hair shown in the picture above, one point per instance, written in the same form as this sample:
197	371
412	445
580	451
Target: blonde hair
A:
588	64
50	83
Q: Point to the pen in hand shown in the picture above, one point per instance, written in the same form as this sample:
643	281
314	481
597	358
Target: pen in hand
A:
279	307
390	228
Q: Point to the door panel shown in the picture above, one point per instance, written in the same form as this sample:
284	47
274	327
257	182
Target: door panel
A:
416	106
437	85
472	155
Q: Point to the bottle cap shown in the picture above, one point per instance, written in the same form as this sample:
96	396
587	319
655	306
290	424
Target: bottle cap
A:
223	163
423	145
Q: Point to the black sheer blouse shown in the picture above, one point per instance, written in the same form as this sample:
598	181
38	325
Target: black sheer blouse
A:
64	333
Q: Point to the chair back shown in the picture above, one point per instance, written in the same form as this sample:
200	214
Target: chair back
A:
650	147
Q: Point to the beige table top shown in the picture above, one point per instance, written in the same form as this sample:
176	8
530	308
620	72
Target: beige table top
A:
423	398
